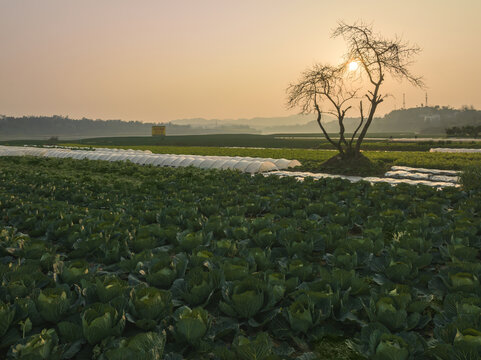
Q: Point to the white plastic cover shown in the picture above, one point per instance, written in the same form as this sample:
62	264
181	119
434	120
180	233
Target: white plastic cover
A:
163	161
175	161
144	157
207	163
229	164
149	160
242	165
186	161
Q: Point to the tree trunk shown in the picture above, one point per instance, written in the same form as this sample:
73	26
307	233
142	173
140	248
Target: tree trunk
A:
374	103
351	153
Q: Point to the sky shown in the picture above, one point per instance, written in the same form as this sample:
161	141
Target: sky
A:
158	60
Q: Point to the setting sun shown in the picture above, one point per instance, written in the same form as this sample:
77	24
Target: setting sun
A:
353	66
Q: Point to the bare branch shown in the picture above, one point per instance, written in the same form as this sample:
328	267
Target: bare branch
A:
326	135
323	85
378	54
360	124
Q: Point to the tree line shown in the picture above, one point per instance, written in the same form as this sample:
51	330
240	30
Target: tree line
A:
62	127
464	131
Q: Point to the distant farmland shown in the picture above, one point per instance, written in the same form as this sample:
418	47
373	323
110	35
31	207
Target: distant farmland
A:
287	141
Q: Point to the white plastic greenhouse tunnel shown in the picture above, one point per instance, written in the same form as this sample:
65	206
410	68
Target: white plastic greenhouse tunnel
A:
146	157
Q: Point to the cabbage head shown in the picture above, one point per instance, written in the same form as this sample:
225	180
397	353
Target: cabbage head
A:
135	262
161	271
391	347
462	277
143	346
259	348
197	286
73	271
296	243
261	258
149	305
38	347
7	313
26	308
398	271
300	269
13	242
54	303
191	324
301	314
244	298
100	321
225	247
235	269
188	241
109	287
265	238
18	288
398	311
376	342
464	281
389	315
147	237
468	340
276	287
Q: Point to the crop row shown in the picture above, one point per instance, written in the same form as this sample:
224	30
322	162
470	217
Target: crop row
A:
297	141
115	261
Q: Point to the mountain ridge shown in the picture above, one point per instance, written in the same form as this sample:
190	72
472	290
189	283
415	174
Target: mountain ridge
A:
432	120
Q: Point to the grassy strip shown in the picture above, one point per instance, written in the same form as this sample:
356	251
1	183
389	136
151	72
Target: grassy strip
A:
296	141
312	159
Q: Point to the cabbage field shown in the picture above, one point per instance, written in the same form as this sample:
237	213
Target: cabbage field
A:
112	260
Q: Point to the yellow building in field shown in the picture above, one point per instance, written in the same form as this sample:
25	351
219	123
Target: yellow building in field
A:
158	130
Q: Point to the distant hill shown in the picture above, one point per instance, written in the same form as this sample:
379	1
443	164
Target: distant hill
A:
427	120
422	120
258	123
44	127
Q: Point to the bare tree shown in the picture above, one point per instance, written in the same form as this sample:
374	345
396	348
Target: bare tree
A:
376	57
322	89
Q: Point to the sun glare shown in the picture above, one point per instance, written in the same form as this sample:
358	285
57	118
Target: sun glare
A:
353	66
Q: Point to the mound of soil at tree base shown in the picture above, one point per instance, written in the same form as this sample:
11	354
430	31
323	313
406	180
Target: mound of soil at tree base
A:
359	166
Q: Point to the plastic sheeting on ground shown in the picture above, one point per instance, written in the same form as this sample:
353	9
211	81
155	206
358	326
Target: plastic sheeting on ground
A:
393	181
146	157
427	171
435	175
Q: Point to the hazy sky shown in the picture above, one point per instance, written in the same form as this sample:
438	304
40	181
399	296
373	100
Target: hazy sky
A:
158	60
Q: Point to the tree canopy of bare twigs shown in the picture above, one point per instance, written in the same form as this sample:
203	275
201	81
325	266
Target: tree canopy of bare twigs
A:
325	89
323	86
